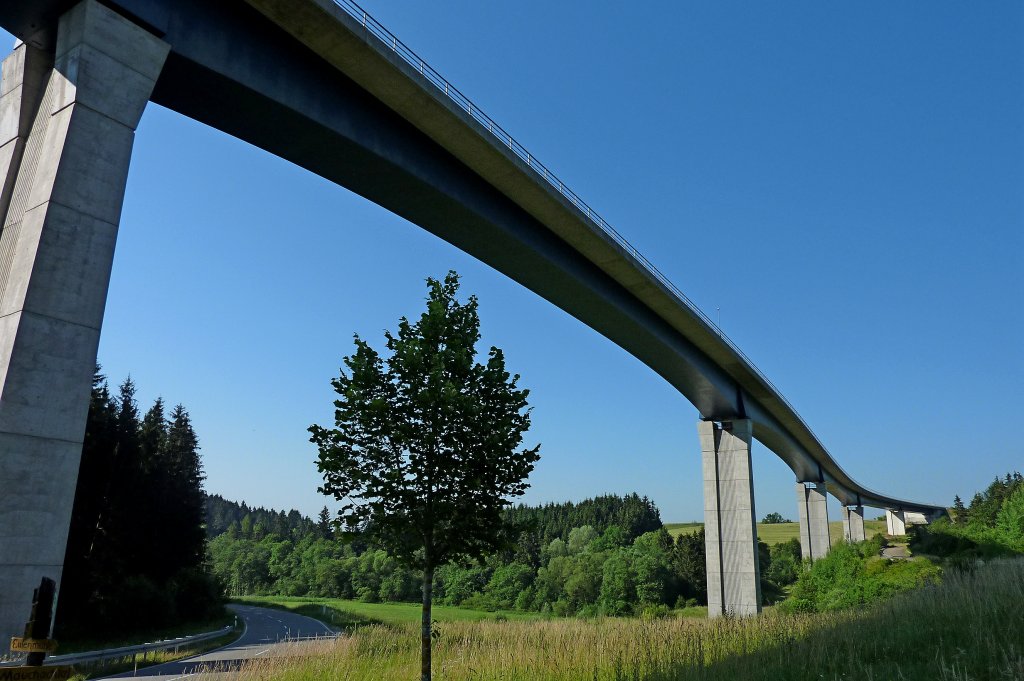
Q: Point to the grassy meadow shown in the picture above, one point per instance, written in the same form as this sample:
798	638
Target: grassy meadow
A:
776	533
971	626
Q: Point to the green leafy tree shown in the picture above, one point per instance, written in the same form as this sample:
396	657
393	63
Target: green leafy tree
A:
775	518
618	587
1010	521
688	564
580	538
425	453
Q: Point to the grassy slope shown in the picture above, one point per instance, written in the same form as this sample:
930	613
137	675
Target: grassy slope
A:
969	627
777	533
347	613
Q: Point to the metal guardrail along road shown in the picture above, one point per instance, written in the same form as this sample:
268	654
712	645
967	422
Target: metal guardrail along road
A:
142	648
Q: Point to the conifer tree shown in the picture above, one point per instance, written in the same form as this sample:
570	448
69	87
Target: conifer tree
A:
323	523
959	511
185	472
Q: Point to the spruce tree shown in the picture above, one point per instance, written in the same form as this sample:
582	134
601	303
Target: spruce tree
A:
959	511
323	523
84	560
185	483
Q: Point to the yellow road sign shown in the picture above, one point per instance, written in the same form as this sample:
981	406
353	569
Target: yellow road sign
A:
32	645
35	673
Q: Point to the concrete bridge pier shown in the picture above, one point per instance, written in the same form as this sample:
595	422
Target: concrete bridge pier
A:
67	124
895	523
813	512
730	524
853	523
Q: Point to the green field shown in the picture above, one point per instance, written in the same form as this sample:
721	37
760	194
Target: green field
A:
344	613
776	533
967	627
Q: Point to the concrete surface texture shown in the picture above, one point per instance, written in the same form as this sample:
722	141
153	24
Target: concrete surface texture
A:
60	223
730	523
895	523
813	512
853	523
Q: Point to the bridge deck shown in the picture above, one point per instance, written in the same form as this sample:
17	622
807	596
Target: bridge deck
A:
324	86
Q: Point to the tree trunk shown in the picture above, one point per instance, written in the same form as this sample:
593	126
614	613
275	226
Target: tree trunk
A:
425	629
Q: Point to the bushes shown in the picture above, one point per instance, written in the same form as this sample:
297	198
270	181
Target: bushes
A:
850	575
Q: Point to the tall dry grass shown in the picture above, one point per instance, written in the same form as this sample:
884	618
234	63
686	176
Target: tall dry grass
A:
969	627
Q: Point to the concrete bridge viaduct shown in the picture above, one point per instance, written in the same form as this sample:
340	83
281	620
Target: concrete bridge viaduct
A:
325	86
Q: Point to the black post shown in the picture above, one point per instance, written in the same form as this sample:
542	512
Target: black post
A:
38	626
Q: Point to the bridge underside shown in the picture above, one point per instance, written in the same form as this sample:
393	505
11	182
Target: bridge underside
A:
302	105
275	83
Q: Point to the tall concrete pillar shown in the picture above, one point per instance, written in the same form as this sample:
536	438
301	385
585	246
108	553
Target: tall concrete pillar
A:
730	525
853	523
813	511
895	523
56	249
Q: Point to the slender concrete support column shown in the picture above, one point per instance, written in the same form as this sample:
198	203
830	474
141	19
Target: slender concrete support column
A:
56	249
853	523
895	523
813	512
730	525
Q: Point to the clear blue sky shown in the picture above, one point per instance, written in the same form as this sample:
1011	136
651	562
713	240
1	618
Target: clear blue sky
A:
843	180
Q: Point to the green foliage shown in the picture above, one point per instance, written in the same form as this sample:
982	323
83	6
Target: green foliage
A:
425	452
784	566
618	588
424	449
632	514
136	554
689	567
992	526
580	539
985	506
1010	520
294	559
507	583
968	627
845	578
774	518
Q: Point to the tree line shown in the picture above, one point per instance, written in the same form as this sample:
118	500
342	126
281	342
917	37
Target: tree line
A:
621	561
136	552
991	525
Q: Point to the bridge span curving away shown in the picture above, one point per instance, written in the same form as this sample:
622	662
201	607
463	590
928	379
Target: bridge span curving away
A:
323	85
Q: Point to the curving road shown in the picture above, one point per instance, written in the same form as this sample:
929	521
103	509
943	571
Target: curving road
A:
264	628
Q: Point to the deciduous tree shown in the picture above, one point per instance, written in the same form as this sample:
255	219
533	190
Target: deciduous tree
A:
426	449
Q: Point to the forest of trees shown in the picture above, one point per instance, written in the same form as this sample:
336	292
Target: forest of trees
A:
136	554
991	525
606	555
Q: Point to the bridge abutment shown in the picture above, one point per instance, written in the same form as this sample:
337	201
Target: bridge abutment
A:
69	129
813	512
853	523
730	525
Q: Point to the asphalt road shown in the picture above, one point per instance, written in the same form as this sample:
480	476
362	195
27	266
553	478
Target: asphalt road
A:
264	628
